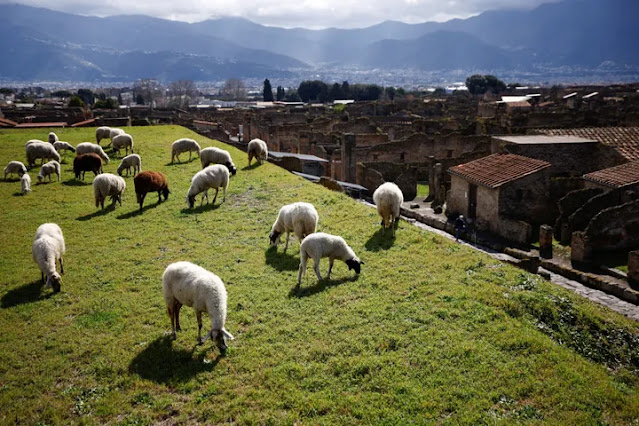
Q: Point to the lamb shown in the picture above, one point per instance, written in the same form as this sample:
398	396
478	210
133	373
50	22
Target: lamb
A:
299	217
60	145
184	145
86	147
108	185
130	161
217	156
258	149
215	176
149	181
48	247
14	167
52	167
25	183
41	150
90	162
122	141
184	283
53	137
319	245
103	132
388	198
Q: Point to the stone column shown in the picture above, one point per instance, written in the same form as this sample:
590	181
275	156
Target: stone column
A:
633	267
431	179
565	234
545	241
581	250
348	158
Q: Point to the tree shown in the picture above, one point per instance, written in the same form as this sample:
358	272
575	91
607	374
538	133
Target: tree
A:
87	96
390	92
139	100
61	94
108	103
335	92
149	89
479	84
182	93
346	90
76	101
314	90
281	93
120	99
268	91
494	84
234	89
292	96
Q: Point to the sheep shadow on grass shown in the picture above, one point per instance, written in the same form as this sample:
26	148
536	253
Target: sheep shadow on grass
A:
281	260
319	286
138	211
378	242
162	363
251	167
27	293
18	194
75	182
97	213
203	208
177	163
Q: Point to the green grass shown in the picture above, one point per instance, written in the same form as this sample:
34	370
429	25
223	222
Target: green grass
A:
430	332
422	190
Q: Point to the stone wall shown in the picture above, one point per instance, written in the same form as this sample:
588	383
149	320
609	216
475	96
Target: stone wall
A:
615	228
372	175
528	199
457	197
567	159
579	220
569	204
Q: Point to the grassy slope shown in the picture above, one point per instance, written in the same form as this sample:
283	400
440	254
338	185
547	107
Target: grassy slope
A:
431	331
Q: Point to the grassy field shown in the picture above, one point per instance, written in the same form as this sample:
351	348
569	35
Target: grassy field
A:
430	332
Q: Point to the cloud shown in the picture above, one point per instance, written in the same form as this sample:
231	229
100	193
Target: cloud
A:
289	13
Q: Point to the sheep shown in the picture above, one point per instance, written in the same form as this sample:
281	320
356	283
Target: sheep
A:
90	162
86	147
130	161
53	137
48	247
108	185
388	198
217	156
25	183
319	245
48	169
103	132
60	145
258	149
184	145
41	150
215	176
122	141
184	283
30	141
149	181
14	167
299	217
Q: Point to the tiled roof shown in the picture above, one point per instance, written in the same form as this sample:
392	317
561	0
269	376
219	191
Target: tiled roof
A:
498	169
52	124
617	176
4	122
624	139
83	123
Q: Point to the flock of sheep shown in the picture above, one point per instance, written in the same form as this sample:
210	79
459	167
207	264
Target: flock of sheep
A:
184	283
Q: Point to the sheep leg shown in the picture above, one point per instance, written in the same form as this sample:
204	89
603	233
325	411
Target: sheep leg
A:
199	327
205	194
61	266
330	267
302	269
176	311
42	277
216	191
288	234
316	268
159	197
392	225
170	310
224	194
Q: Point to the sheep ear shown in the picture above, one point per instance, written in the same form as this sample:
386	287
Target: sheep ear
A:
361	262
227	335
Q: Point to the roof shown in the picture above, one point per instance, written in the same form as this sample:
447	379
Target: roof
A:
498	169
617	176
522	104
544	139
83	123
6	122
511	99
303	157
51	124
625	140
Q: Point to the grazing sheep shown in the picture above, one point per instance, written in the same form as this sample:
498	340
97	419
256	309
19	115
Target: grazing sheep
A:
86	147
14	167
299	217
130	161
30	141
215	176
184	283
48	247
103	132
52	167
41	150
184	145
319	245
25	183
258	149
149	181
90	162
108	185
53	137
60	145
122	141
217	156
388	198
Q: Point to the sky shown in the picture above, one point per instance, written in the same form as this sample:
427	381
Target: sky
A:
313	14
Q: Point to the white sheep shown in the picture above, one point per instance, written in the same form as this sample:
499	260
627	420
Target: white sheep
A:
48	247
30	141
215	176
133	161
300	218
86	147
41	150
319	245
103	132
258	149
25	183
388	198
184	145
184	283
52	167
53	137
60	145
108	185
14	167
217	156
123	140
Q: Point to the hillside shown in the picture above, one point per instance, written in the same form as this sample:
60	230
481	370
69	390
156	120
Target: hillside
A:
431	331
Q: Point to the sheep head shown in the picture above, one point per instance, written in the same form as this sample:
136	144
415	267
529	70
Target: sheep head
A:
354	264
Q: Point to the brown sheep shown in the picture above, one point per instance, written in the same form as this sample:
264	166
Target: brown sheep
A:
90	162
149	181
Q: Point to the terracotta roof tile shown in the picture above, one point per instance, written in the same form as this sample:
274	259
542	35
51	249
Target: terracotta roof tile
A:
624	139
52	124
5	122
83	123
617	176
498	169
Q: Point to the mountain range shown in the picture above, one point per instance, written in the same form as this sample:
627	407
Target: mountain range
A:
41	44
